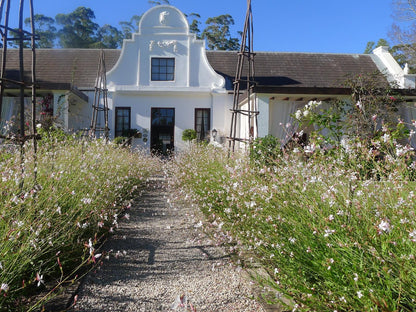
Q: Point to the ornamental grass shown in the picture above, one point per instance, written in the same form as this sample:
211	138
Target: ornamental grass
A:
335	229
50	227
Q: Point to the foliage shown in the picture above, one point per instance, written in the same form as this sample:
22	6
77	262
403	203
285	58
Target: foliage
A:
371	110
218	34
119	140
108	37
130	27
329	239
371	45
78	29
188	135
53	226
153	2
265	150
45	29
332	222
194	24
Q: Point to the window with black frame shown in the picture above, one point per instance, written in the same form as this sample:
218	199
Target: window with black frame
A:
122	122
202	123
163	69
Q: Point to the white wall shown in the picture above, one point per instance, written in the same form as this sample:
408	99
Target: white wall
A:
164	32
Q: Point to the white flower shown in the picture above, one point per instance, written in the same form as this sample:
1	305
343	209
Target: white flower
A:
298	114
4	287
412	235
386	138
39	279
306	113
355	277
359	294
384	226
309	149
328	232
86	201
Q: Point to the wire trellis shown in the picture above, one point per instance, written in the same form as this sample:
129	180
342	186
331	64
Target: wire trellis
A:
21	83
245	61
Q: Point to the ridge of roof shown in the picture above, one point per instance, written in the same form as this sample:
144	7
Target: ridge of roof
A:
285	52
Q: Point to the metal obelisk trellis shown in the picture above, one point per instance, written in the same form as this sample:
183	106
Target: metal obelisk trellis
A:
21	36
100	104
246	63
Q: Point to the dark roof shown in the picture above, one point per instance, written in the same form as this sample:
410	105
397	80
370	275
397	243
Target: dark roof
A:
61	69
285	71
64	68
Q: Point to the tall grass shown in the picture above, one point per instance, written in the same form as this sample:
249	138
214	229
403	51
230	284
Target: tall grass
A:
335	230
51	226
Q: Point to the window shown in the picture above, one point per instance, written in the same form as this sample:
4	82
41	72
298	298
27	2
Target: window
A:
163	69
202	123
122	125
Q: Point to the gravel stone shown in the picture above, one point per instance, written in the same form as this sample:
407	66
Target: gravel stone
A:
159	255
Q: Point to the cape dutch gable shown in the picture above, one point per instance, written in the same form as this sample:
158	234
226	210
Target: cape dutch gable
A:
163	81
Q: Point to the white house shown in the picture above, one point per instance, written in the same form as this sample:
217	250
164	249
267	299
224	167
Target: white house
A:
163	81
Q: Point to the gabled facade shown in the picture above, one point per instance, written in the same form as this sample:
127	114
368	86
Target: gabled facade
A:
163	84
163	81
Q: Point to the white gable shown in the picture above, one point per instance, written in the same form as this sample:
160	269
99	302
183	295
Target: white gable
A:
163	19
164	33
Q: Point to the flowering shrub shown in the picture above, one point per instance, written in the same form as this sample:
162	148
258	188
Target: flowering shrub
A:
51	228
331	238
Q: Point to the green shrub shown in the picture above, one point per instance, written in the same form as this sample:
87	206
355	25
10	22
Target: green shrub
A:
265	150
188	135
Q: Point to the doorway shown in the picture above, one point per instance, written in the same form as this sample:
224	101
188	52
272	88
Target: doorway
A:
162	131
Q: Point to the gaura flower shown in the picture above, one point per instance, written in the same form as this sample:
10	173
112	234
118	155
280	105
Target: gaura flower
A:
4	287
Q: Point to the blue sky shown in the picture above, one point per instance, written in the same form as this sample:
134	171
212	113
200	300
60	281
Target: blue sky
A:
334	26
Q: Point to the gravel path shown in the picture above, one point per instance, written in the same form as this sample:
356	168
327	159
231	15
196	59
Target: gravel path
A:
159	255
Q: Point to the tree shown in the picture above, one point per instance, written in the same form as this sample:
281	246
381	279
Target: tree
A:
130	27
194	24
109	37
153	2
218	34
371	45
404	35
78	29
45	29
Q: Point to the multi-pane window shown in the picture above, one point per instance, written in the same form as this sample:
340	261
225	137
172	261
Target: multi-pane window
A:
202	123
122	124
163	69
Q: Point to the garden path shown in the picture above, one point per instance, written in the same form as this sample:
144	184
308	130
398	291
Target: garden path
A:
159	255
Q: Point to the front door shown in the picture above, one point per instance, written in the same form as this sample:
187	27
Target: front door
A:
162	131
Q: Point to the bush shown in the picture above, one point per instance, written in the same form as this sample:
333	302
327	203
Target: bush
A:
265	150
188	135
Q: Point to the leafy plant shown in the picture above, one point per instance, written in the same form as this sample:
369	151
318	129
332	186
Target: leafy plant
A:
188	135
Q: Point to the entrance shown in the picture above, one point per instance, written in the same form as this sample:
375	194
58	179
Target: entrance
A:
162	131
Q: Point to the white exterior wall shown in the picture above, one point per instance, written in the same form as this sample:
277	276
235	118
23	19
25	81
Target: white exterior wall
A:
164	32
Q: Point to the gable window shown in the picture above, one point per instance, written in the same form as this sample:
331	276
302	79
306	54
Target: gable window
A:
163	69
122	124
202	123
